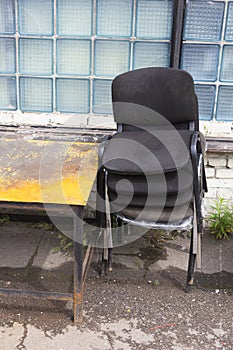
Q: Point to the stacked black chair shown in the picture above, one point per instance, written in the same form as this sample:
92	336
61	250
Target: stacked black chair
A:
151	171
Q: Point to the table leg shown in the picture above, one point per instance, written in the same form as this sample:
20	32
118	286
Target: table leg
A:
78	264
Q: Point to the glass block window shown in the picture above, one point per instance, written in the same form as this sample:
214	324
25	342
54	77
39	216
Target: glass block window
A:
147	54
74	17
204	20
36	56
7	17
36	17
207	53
154	19
35	94
201	61
206	97
73	57
229	23
8	93
62	55
7	54
114	18
112	57
102	96
227	64
225	103
72	95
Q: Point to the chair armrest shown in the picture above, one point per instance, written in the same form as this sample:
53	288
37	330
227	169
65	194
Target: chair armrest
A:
102	147
100	193
197	148
202	142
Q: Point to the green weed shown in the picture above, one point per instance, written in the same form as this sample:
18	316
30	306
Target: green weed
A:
4	219
220	219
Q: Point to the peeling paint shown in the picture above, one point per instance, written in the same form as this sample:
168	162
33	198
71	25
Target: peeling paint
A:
43	171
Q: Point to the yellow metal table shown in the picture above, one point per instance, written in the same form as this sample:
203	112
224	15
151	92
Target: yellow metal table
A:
51	174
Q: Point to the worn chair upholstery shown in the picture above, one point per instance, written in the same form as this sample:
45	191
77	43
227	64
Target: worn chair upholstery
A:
151	171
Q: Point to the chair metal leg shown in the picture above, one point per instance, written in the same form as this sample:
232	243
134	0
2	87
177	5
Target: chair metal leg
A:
191	266
107	235
87	262
107	258
104	262
110	258
199	259
120	231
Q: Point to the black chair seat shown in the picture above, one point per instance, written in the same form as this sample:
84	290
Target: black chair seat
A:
158	215
137	153
172	183
126	200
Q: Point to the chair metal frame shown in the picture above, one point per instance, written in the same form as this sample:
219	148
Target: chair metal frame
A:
193	222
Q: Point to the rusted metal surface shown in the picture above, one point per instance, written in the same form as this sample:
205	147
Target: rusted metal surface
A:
38	168
16	207
78	283
45	171
220	145
54	133
78	297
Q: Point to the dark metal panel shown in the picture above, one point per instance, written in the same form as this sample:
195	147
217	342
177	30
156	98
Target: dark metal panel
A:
177	31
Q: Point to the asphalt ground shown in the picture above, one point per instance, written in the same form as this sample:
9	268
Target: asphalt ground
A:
140	305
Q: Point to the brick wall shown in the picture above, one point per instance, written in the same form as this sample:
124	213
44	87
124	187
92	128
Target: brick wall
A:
219	172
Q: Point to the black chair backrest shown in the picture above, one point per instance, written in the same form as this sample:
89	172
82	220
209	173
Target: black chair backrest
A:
167	91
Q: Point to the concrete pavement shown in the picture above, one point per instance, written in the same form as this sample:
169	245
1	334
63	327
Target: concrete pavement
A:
140	305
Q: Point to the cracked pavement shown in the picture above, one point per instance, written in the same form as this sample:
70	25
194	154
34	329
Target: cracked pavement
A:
140	305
